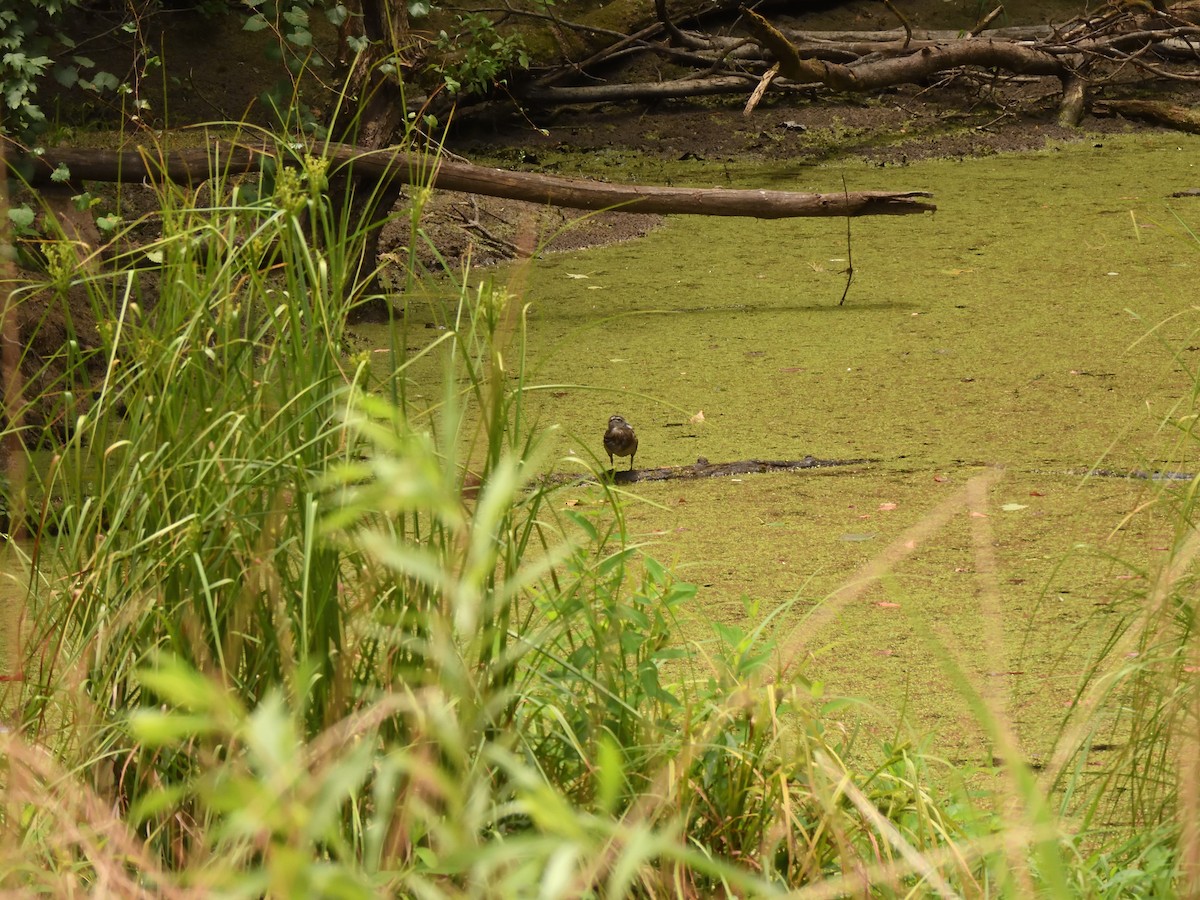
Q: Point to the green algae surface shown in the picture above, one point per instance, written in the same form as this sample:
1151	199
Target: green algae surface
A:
1039	324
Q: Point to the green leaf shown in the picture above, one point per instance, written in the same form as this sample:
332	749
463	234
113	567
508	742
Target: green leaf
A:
154	802
181	685
584	523
680	592
730	634
106	81
67	76
61	174
256	22
301	38
418	9
655	569
610	773
296	16
156	728
21	216
271	734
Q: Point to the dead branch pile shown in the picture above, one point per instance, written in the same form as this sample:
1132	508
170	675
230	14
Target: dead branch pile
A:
1130	40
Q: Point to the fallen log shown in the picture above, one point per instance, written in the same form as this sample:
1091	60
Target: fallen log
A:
224	158
915	67
710	86
702	468
1155	112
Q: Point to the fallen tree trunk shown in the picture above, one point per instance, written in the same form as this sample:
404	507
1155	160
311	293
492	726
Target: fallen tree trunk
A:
704	469
643	90
197	165
914	67
1153	111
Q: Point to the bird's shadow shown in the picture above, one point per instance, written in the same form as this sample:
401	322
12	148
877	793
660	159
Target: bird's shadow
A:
625	476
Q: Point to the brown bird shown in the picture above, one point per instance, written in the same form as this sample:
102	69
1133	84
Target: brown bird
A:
620	440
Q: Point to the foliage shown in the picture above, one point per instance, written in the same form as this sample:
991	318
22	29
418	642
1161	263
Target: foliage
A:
478	56
24	60
31	45
308	632
1128	748
305	619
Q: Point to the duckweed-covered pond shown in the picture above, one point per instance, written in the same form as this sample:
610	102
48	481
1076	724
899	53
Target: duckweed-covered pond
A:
1041	322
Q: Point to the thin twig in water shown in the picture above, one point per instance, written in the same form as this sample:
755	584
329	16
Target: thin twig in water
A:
849	248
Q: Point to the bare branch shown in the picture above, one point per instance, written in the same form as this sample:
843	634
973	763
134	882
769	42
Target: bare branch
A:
396	166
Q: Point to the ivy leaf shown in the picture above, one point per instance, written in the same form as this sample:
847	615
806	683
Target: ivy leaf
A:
61	174
66	75
106	81
21	216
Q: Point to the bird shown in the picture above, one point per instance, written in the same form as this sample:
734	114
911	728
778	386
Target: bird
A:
620	440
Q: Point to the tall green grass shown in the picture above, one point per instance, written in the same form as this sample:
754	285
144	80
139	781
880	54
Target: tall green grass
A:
295	628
